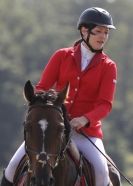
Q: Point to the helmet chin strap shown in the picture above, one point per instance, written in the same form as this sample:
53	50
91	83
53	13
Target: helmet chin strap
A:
88	44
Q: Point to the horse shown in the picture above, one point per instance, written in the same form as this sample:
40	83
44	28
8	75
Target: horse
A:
51	157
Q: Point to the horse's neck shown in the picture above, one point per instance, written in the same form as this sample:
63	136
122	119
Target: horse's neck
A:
74	153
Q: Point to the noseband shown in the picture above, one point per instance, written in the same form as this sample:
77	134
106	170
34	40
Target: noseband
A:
44	157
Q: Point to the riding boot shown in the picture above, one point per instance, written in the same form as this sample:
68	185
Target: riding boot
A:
5	182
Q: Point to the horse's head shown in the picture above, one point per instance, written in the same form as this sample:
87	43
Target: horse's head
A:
44	133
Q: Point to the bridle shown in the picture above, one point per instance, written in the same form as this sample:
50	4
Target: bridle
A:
44	158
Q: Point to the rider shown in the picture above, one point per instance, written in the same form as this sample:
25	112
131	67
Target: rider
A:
92	76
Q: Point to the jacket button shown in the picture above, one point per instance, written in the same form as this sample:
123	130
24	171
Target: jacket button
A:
76	89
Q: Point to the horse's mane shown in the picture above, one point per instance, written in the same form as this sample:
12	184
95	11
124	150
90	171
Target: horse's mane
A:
66	123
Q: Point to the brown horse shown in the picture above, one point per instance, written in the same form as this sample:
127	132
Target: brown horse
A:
52	159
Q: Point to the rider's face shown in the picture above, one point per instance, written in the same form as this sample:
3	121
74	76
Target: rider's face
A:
97	37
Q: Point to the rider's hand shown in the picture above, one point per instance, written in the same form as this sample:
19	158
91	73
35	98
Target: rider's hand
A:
79	122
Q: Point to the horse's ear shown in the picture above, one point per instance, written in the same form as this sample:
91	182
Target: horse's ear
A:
63	95
28	91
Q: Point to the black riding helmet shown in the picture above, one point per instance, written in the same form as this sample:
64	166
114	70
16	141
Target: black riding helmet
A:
96	16
92	17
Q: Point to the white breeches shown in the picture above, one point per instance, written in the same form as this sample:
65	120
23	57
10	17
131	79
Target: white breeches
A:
85	147
11	168
94	156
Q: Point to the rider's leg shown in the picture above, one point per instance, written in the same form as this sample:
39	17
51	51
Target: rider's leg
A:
11	168
94	156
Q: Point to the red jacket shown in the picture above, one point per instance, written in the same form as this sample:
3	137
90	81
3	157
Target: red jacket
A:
91	91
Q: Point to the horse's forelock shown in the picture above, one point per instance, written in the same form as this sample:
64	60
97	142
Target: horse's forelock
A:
51	95
44	97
